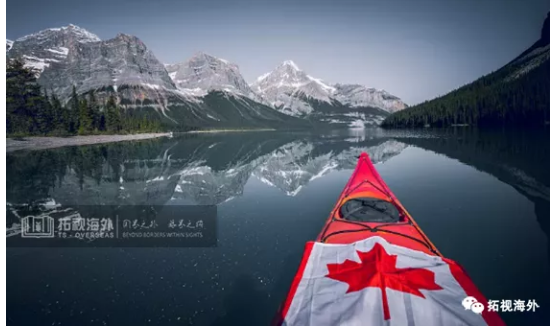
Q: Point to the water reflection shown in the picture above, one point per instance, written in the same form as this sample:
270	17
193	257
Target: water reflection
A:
517	158
201	170
274	191
214	169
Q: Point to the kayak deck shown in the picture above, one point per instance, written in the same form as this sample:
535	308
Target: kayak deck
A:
367	208
372	265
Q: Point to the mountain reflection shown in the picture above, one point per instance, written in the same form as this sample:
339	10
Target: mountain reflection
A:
192	169
517	158
213	169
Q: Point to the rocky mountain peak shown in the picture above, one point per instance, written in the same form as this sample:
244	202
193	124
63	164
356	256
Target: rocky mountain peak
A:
126	37
50	46
203	55
356	95
206	72
78	33
214	62
286	74
123	65
289	88
291	64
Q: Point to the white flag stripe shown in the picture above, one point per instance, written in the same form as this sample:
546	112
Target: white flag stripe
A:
320	300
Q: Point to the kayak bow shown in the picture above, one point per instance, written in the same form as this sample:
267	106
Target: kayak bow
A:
372	265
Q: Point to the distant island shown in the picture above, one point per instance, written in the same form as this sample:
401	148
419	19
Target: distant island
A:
515	95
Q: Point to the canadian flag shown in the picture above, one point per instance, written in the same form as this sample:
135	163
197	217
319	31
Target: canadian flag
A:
373	282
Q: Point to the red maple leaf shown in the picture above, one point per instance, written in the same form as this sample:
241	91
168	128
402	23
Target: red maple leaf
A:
378	269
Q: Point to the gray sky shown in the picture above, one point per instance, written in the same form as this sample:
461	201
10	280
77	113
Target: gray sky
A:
415	49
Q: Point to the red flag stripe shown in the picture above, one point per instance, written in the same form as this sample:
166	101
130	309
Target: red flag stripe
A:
491	318
296	281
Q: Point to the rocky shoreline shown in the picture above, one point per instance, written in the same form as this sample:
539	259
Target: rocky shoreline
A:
231	130
39	143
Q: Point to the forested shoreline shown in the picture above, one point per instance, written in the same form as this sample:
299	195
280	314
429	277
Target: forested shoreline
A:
491	101
516	95
33	111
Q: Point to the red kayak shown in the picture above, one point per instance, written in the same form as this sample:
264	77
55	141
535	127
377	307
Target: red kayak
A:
372	265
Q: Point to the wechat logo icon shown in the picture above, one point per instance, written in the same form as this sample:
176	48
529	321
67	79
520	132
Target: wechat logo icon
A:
470	303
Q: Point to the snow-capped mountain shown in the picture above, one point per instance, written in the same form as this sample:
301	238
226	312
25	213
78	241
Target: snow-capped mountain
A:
122	64
49	46
9	44
203	73
201	92
294	92
286	88
72	56
69	31
355	95
289	89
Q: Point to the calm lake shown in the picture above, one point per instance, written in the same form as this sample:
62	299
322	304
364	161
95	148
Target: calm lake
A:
481	197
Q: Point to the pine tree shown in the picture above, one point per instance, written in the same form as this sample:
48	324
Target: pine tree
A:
93	110
24	99
72	114
86	122
44	116
57	113
101	122
112	116
16	77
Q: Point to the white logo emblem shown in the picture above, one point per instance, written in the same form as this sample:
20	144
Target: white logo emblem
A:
470	303
477	307
37	227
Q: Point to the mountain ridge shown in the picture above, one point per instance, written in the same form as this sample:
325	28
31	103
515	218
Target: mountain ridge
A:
204	72
124	67
70	56
287	80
